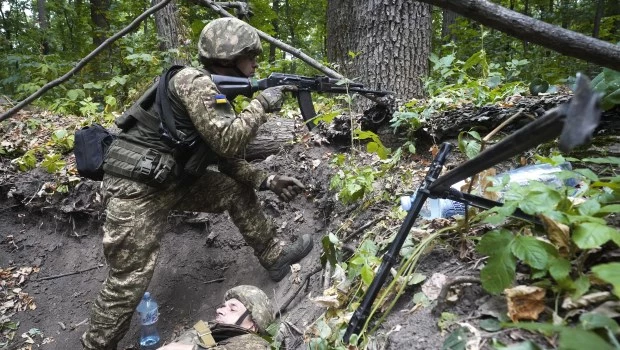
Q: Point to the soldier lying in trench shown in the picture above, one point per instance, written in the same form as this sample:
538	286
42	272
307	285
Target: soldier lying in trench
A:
245	314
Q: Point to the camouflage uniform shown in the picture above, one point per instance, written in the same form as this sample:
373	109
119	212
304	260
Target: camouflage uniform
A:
136	212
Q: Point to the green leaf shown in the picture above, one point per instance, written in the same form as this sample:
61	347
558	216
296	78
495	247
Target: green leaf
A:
593	320
531	251
74	94
498	273
609	273
490	325
589	174
589	207
559	268
590	235
329	251
367	275
496	242
612	208
526	345
578	339
473	60
581	285
323	328
603	160
457	340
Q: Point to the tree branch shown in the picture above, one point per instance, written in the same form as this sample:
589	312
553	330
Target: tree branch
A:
83	62
520	26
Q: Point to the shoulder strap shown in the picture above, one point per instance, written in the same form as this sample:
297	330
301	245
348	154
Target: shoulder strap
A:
162	102
204	333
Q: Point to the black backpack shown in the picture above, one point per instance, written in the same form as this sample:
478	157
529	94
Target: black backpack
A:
91	144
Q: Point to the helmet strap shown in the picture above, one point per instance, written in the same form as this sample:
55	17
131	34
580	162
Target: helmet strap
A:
242	317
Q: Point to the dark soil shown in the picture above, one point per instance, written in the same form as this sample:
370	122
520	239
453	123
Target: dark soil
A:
202	255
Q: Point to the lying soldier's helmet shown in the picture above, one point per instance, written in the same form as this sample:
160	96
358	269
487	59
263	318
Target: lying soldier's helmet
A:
257	303
225	39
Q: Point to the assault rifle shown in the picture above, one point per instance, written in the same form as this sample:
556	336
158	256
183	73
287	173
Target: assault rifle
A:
573	122
235	86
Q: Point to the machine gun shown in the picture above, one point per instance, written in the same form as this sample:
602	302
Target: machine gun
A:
235	86
573	122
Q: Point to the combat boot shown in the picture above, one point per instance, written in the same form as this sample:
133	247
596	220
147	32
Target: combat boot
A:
278	258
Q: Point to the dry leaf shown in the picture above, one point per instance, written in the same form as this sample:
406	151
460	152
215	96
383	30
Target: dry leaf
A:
434	150
525	302
559	234
586	300
329	298
432	287
295	277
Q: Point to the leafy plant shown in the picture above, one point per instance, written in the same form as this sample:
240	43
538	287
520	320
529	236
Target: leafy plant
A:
26	162
470	147
62	140
572	226
53	163
352	182
608	83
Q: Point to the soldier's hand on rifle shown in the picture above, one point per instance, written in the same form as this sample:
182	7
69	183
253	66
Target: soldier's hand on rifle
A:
285	187
272	98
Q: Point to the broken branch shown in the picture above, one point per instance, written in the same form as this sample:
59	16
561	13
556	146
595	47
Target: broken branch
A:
67	274
443	295
294	295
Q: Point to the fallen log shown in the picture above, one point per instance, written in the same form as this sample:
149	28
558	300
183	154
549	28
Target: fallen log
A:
273	136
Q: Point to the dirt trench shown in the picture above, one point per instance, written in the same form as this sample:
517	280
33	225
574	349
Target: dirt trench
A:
201	255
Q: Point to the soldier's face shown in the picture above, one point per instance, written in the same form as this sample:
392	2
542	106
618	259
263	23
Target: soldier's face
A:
247	65
230	311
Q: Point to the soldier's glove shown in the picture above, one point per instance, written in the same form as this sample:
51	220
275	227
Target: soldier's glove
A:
284	187
272	98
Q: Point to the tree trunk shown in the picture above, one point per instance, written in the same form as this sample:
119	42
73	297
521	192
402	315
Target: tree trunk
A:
167	26
613	7
384	43
99	17
597	18
43	26
448	19
276	29
564	41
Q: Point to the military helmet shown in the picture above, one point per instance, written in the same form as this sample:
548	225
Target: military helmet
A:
257	303
228	38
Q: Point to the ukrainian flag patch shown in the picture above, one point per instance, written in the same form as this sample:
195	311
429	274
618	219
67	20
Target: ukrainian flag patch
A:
220	99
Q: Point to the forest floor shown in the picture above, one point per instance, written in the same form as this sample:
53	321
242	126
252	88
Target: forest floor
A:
51	254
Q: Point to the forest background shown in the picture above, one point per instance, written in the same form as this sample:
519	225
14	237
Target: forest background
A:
433	59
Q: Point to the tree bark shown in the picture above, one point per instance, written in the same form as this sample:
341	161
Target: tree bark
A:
384	43
448	19
167	26
564	41
597	18
272	137
99	16
276	28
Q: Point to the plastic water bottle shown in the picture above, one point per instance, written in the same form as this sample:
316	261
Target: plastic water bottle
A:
434	207
545	173
148	313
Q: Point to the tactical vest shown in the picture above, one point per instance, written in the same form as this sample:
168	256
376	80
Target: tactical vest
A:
158	142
